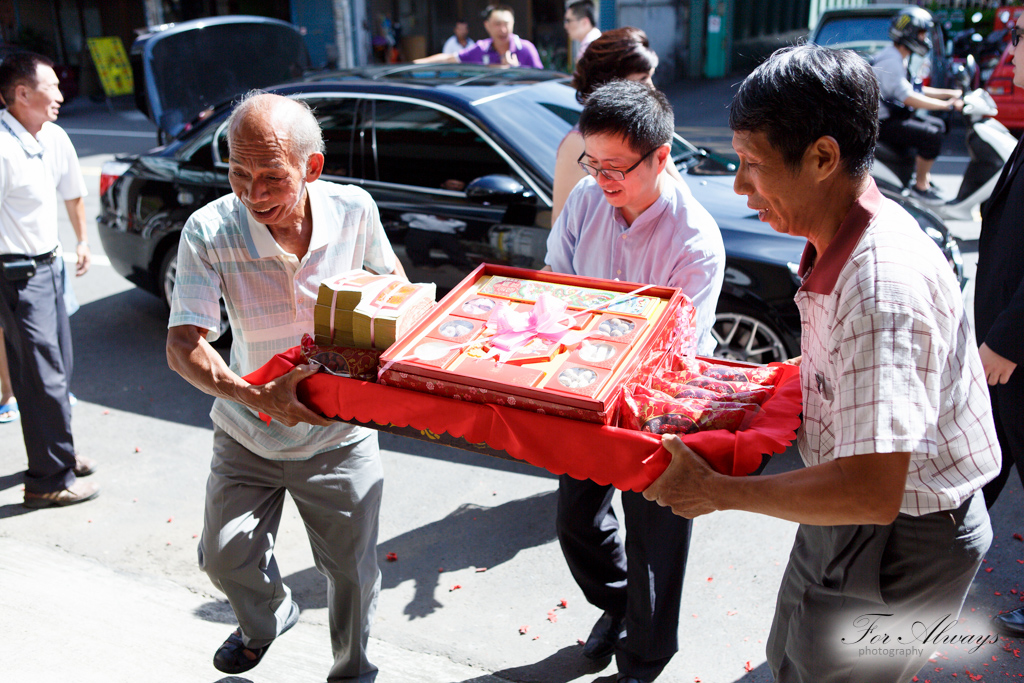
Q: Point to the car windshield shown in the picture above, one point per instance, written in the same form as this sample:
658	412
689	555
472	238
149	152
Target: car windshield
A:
852	31
534	120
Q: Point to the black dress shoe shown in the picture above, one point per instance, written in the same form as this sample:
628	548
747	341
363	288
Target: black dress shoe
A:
1010	624
603	636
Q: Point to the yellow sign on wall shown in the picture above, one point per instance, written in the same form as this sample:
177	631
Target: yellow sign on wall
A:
112	64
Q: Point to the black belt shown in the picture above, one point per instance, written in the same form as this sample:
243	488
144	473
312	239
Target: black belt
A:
43	259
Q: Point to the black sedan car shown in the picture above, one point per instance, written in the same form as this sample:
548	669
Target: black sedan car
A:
459	161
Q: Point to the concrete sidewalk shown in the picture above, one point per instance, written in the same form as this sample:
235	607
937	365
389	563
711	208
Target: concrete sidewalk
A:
102	626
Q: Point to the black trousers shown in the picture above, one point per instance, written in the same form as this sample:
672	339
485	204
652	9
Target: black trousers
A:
922	134
37	336
1007	407
641	578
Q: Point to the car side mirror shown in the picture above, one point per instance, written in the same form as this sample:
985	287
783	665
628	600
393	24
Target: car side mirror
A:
498	189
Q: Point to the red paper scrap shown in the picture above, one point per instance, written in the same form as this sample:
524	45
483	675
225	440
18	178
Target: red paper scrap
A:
481	569
523	630
392	557
749	668
989	569
454	588
170	519
563	604
1018	537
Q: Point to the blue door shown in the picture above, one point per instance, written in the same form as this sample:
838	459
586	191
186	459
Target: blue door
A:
315	19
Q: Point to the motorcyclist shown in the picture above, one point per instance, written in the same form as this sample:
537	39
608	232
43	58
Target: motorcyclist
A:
898	125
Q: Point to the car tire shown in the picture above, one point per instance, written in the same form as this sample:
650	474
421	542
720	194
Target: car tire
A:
168	276
744	335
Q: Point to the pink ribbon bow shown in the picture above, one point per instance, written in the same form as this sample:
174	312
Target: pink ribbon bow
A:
547	320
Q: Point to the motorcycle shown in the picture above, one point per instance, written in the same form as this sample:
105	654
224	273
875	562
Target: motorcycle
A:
989	144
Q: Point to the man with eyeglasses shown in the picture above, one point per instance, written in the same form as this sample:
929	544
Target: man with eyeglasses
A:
999	318
579	24
628	219
38	161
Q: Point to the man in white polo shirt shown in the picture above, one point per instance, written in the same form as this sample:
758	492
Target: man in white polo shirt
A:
897	437
37	160
265	249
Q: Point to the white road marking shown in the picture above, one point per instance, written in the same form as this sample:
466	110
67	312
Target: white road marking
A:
111	133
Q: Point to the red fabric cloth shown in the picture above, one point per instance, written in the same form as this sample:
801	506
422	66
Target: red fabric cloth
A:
627	459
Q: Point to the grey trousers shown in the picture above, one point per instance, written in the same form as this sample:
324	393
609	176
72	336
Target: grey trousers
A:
857	603
37	336
338	495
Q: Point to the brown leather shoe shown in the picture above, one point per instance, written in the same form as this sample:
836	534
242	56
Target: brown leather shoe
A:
79	492
84	466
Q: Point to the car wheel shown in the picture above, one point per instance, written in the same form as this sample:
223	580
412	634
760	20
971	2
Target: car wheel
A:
168	275
743	336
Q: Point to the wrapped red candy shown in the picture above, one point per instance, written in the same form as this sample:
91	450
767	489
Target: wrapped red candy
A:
765	376
672	382
653	411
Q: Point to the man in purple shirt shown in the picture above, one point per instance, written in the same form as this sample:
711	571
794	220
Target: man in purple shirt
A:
503	48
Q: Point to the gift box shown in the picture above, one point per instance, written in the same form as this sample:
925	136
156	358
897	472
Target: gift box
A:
521	350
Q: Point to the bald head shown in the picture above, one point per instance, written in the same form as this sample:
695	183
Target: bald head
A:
292	121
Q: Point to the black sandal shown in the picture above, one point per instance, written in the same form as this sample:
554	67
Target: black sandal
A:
231	659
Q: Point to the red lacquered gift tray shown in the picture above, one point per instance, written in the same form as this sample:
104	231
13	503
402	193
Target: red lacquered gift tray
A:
556	343
489	408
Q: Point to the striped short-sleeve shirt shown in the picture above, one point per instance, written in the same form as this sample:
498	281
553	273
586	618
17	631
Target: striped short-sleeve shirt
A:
889	363
270	295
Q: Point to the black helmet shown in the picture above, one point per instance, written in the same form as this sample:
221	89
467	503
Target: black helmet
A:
906	27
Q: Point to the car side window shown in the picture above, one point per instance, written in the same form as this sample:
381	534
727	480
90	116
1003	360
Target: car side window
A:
421	146
343	149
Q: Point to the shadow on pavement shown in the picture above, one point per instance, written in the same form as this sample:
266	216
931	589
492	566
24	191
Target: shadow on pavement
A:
561	667
425	449
120	360
471	536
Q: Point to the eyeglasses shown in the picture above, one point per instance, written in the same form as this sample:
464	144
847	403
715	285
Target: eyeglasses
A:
611	173
1016	34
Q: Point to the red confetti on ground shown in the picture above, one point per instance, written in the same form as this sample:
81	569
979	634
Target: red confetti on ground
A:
579	641
1013	591
914	679
168	542
106	412
552	617
135	500
392	557
536	637
1018	537
973	677
523	630
481	569
989	569
696	679
454	588
88	521
563	604
440	570
747	667
195	535
170	519
138	450
711	578
731	613
998	593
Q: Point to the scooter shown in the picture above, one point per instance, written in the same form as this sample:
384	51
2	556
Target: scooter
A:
989	144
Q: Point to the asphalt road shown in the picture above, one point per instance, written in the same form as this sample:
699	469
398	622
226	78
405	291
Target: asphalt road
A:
110	591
